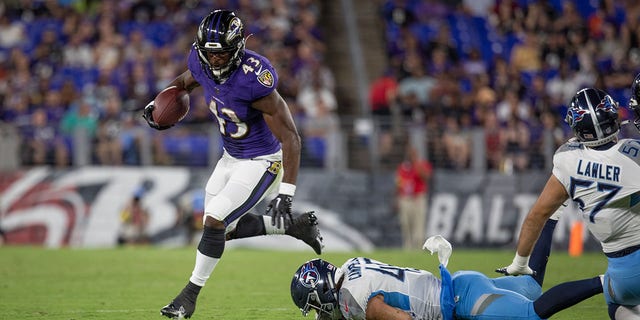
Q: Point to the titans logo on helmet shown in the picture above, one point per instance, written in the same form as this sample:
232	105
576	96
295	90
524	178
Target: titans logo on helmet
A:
575	115
607	104
309	276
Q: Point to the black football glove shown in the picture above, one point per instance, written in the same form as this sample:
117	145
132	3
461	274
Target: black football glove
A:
148	115
280	208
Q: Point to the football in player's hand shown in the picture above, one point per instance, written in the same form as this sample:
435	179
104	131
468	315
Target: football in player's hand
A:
170	106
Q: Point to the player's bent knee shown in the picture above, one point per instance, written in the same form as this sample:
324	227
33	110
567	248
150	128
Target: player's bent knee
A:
214	223
212	242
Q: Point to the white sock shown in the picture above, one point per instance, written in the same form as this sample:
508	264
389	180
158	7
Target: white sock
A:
272	229
203	268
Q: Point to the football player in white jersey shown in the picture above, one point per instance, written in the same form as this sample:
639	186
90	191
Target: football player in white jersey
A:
364	288
599	172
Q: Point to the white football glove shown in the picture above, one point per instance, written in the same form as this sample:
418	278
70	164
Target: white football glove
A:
519	266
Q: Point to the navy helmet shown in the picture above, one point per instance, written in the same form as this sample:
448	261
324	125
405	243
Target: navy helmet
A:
593	117
221	31
314	287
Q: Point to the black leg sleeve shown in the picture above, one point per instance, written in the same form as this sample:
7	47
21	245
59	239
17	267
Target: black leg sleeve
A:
566	295
250	225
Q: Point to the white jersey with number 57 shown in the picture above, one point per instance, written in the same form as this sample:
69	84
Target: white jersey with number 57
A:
416	292
605	185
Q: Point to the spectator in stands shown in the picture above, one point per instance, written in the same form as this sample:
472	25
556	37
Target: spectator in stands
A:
16	110
108	140
138	47
164	67
506	17
134	219
536	96
80	119
314	70
107	51
474	64
515	143
562	87
417	82
413	112
141	85
77	53
443	41
512	106
525	55
493	142
12	33
47	54
457	144
412	176
382	98
42	144
319	105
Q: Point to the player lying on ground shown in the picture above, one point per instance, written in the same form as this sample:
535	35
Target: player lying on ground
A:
368	289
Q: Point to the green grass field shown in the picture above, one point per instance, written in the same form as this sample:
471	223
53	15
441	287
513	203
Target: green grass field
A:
134	283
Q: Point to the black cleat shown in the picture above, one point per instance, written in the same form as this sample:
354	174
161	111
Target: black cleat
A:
173	312
305	227
183	306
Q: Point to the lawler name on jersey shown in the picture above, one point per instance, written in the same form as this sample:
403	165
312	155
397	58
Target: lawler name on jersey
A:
597	170
245	133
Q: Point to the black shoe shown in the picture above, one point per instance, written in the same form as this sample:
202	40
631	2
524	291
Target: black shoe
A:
305	228
184	305
174	312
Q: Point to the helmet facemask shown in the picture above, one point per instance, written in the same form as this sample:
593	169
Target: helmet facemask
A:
314	287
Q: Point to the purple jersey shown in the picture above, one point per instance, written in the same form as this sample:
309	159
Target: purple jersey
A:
244	132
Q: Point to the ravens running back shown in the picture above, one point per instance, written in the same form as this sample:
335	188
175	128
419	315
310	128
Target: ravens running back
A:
261	149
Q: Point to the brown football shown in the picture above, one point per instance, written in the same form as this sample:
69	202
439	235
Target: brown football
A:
170	106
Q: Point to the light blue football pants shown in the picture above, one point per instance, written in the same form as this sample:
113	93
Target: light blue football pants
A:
479	297
622	280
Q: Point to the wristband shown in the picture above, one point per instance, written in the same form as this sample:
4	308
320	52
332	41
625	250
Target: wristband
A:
287	188
521	261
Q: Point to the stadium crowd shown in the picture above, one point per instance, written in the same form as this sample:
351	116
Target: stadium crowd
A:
87	68
508	67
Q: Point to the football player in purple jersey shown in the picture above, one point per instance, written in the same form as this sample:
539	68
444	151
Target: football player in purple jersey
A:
261	149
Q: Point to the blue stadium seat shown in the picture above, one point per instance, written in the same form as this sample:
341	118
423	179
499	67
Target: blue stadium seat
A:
189	150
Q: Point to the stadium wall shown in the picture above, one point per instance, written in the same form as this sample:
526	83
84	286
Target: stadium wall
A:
81	207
